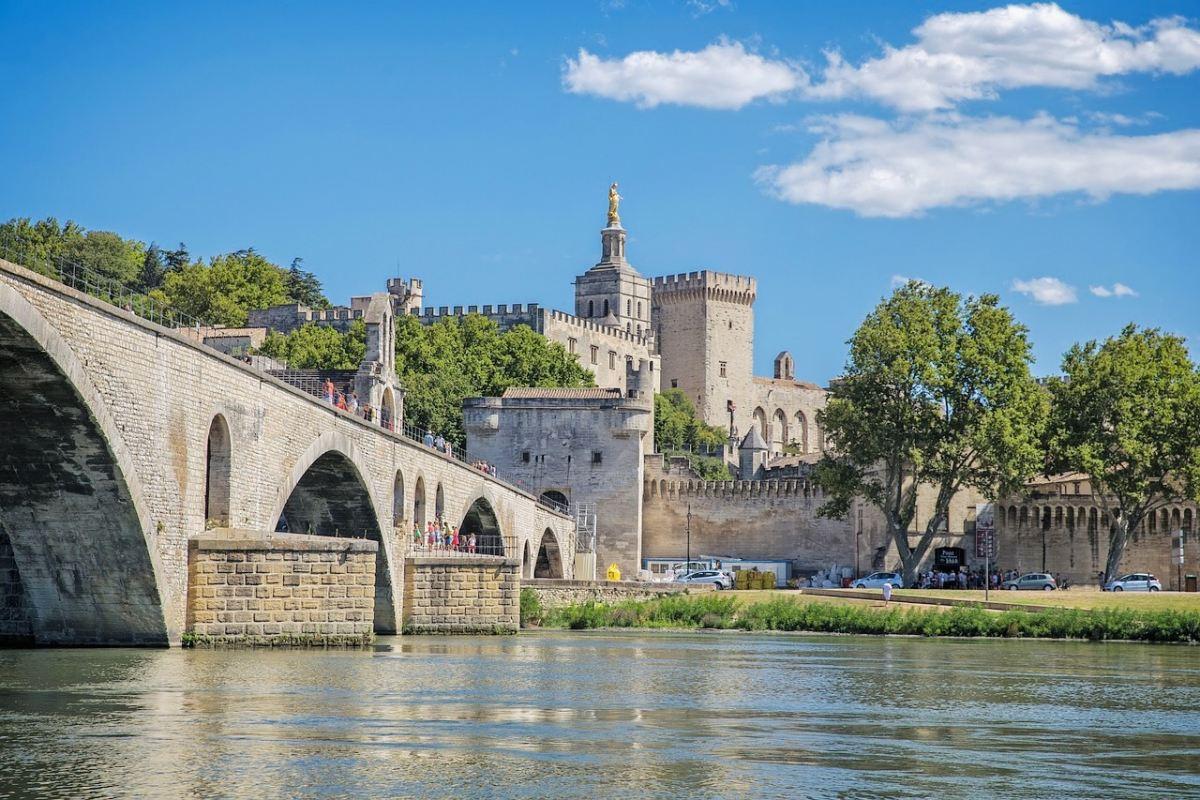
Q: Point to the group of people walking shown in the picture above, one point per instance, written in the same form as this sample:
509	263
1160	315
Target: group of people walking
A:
440	536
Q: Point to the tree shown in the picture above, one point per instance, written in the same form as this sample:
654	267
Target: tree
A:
936	393
318	347
678	431
223	291
304	287
153	269
177	259
1127	413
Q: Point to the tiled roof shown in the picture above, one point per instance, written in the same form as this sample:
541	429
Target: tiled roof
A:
536	392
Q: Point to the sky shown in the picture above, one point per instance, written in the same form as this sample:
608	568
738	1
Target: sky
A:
1046	153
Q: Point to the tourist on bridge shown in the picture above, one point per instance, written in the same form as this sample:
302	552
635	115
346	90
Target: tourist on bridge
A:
428	440
352	403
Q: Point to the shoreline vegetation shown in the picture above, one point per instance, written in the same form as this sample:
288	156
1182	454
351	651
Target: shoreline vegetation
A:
726	611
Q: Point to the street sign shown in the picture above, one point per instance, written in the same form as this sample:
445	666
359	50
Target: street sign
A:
985	533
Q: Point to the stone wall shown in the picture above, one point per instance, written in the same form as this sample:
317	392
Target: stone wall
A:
613	347
461	594
555	594
1069	535
15	627
286	589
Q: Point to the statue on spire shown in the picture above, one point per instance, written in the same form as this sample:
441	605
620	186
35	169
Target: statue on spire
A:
614	199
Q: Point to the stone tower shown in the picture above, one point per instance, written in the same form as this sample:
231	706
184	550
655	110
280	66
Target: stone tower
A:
704	327
613	292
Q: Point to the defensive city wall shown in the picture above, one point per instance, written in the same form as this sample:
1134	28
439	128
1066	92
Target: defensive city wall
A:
124	440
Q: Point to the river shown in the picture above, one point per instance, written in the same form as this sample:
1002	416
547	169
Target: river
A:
587	715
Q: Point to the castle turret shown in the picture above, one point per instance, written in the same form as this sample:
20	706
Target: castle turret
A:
752	456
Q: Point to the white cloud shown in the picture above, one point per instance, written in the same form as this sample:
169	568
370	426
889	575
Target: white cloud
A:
898	169
723	75
1046	291
1117	290
702	7
969	56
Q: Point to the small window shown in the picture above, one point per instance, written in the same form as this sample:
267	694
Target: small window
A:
628	307
612	359
525	457
591	308
571	345
730	324
597	457
652	366
722	363
595	353
674	383
639	309
606	308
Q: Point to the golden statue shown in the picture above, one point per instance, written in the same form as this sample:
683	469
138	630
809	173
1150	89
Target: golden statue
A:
614	199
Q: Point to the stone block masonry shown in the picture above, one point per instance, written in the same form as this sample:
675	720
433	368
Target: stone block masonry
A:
280	590
462	595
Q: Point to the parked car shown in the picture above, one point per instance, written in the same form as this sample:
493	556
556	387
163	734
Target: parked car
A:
719	580
1042	581
876	580
1134	582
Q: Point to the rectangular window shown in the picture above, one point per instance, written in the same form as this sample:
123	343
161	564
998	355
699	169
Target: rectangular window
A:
525	457
597	457
571	343
674	383
612	359
722	363
595	353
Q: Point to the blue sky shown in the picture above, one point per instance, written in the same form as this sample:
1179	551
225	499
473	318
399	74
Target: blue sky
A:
1027	151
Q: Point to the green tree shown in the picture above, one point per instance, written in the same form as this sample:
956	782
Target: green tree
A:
153	269
679	432
46	245
318	347
223	291
304	287
1127	413
936	393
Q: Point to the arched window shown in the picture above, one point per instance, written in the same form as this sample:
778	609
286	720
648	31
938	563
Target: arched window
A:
779	431
439	504
639	309
216	476
606	308
419	502
628	307
591	308
800	434
398	506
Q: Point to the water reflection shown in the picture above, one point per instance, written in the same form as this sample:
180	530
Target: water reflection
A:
600	715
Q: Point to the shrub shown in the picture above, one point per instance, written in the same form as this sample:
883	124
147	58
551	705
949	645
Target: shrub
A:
531	609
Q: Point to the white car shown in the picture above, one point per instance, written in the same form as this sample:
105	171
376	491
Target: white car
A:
1134	582
719	580
876	580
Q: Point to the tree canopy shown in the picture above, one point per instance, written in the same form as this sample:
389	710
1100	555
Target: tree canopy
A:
441	364
318	347
936	393
1127	413
679	432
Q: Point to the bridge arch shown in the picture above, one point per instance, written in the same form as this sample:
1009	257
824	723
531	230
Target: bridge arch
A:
549	558
328	494
217	471
419	501
72	507
439	503
480	519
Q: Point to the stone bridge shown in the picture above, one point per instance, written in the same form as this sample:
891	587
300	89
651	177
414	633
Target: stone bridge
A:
121	439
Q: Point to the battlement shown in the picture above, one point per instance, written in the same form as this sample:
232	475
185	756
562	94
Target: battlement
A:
734	286
504	314
1084	512
593	325
733	490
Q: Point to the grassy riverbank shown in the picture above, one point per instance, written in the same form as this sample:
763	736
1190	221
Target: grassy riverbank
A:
783	613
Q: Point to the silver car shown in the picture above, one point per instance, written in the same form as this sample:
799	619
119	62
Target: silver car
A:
1134	582
719	580
1041	581
876	580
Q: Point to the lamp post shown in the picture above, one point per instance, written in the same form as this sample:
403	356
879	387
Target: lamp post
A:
688	563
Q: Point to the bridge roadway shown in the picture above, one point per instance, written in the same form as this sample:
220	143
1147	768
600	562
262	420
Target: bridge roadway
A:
120	439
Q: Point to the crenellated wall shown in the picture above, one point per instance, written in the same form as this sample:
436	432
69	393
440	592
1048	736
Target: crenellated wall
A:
1069	534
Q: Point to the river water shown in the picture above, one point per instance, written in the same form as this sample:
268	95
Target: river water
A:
606	715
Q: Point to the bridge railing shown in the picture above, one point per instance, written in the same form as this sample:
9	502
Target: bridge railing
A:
91	282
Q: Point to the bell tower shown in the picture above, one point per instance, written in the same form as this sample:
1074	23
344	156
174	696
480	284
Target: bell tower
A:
612	292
